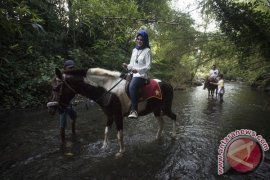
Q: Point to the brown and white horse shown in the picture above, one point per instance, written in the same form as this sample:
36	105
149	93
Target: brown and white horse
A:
212	88
96	84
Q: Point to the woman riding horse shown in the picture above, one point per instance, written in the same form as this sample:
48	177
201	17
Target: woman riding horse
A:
139	65
107	89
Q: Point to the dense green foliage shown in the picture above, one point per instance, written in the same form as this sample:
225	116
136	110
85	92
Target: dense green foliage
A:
247	25
36	36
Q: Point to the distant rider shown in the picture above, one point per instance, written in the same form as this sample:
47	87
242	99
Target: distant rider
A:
213	73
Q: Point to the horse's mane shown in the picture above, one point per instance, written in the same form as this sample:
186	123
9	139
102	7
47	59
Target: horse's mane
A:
103	72
76	72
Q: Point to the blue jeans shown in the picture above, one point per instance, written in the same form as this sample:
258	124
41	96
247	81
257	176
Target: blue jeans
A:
63	116
134	86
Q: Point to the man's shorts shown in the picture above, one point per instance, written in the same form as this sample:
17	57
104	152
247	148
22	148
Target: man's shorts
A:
63	116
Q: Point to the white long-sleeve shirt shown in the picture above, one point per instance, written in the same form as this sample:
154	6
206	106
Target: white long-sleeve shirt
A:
140	60
213	73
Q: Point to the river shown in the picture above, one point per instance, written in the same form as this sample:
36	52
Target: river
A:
30	140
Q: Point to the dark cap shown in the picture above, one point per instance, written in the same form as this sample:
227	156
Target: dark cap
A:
69	64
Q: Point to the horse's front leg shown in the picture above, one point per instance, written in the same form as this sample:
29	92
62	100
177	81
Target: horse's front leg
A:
119	126
174	129
106	133
120	143
160	127
105	142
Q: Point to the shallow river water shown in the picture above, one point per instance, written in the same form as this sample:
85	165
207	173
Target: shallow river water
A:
29	141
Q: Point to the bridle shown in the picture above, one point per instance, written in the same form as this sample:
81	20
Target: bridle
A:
69	87
64	82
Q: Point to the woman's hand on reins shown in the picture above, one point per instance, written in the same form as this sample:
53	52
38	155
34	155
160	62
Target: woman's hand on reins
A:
134	70
124	65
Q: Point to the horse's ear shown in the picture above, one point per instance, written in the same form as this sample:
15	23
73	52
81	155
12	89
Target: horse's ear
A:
58	73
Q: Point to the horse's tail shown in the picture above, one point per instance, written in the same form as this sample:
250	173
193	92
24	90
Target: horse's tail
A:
167	99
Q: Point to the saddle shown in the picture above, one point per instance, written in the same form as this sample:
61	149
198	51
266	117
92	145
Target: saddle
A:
151	89
207	82
214	80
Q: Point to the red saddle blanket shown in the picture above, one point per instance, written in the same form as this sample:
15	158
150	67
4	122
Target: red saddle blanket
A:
151	90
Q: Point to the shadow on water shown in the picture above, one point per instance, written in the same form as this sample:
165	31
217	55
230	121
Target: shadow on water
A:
30	141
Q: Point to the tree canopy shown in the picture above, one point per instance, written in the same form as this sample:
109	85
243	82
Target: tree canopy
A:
36	37
247	25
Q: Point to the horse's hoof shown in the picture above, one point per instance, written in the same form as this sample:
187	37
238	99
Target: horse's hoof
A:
104	146
119	155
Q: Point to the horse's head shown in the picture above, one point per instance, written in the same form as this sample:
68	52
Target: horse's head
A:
62	91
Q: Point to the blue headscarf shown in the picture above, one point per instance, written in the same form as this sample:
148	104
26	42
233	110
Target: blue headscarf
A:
145	40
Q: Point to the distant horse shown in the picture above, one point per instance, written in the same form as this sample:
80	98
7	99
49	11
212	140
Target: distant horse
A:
212	88
107	89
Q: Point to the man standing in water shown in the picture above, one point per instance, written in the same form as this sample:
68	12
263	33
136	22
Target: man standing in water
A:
67	111
221	89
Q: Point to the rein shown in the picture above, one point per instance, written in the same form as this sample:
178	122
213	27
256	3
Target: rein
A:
103	95
69	87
